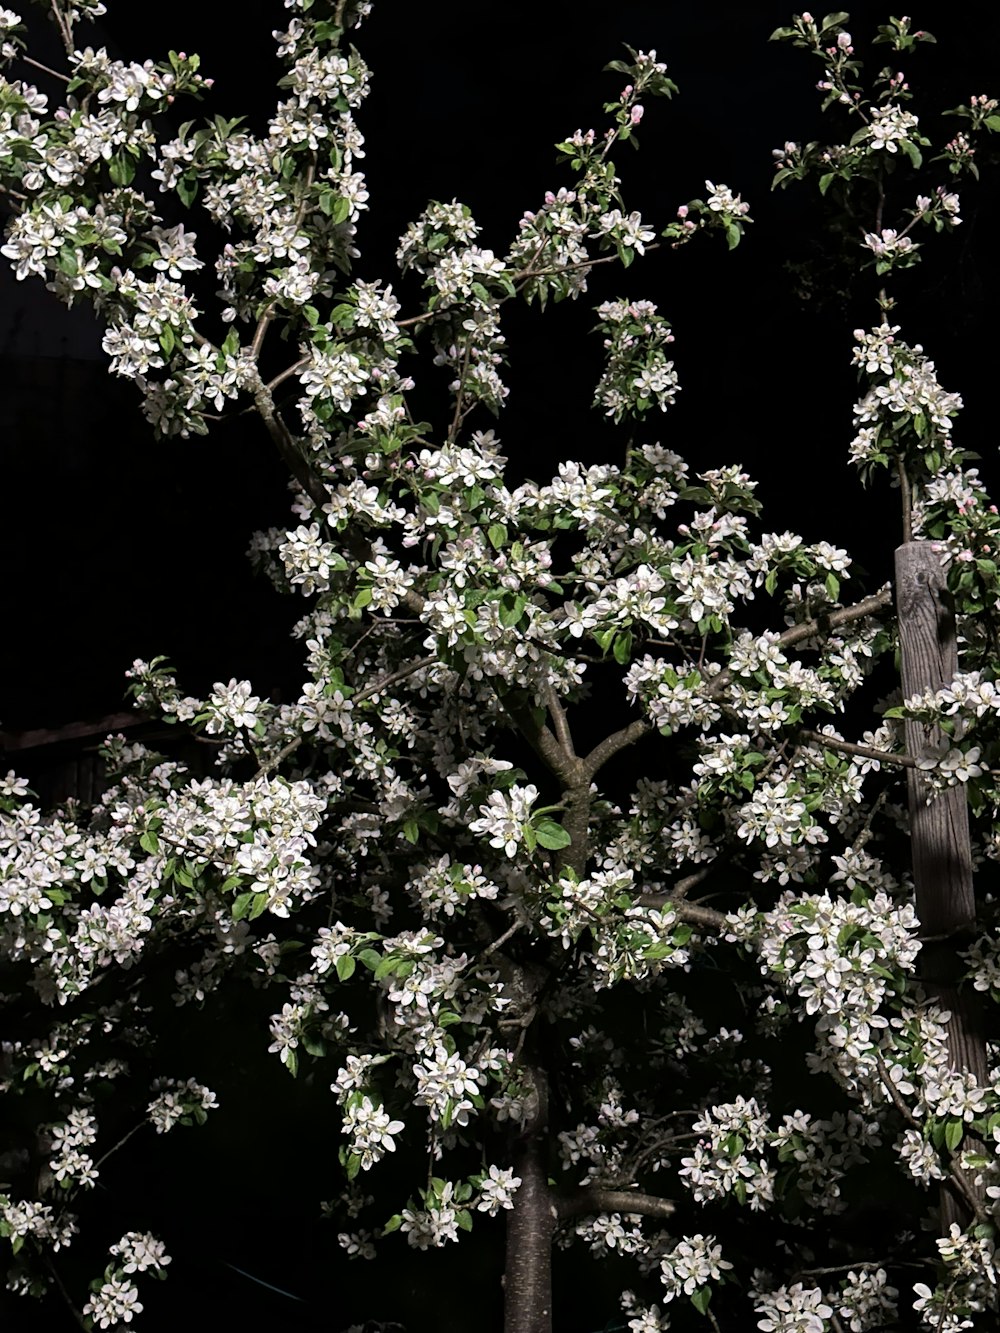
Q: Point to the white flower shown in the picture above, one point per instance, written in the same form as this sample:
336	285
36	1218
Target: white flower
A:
116	1302
794	1309
497	1190
504	817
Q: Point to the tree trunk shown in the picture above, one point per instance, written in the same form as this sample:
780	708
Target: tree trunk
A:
530	1223
942	855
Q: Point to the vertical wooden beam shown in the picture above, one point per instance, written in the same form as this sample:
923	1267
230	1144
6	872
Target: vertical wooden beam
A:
939	832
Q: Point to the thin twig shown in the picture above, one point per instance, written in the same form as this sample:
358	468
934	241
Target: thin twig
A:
498	943
456	420
527	274
954	1170
120	1144
301	364
893	1092
46	69
64	26
77	1314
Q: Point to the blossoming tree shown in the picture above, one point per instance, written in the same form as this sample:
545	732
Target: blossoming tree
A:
490	946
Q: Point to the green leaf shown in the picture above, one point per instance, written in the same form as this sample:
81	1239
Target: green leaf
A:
701	1298
551	835
346	964
387	967
121	169
623	648
149	842
370	958
242	905
497	534
953	1132
511	610
411	831
187	189
258	905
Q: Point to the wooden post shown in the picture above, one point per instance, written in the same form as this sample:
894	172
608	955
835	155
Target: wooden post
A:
939	832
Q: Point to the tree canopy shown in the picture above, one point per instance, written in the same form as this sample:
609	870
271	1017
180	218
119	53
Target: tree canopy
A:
618	868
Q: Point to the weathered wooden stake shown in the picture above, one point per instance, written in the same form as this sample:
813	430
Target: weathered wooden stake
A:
941	851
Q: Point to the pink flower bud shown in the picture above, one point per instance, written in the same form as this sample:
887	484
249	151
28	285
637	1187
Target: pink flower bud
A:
682	212
637	113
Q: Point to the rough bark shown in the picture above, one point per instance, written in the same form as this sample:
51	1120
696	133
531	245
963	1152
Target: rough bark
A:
530	1223
939	832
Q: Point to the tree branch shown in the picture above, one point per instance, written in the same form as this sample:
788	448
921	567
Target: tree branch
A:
619	740
560	722
63	78
866	751
566	768
594	1199
809	629
64	26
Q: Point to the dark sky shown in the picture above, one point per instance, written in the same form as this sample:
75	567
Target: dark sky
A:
119	546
